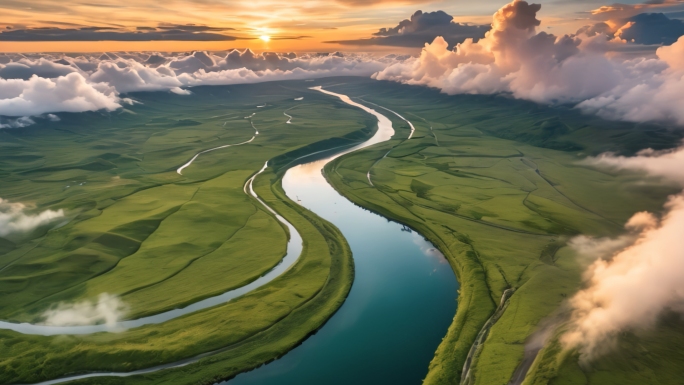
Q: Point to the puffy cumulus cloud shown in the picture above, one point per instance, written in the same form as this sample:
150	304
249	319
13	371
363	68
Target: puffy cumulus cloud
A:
514	58
636	277
132	76
650	90
108	310
673	55
421	28
25	69
70	93
16	218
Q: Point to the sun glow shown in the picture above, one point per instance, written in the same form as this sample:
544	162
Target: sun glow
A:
265	38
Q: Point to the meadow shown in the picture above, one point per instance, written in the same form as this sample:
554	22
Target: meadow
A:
498	185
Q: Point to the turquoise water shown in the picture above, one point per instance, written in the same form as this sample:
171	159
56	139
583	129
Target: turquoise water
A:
400	306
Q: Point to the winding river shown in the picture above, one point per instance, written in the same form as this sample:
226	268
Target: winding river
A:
399	308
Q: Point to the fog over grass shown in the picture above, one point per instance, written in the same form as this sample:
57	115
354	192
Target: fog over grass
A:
107	309
16	218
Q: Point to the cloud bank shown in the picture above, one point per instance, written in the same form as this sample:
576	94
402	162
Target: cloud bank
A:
49	84
15	218
168	32
636	277
108	310
515	59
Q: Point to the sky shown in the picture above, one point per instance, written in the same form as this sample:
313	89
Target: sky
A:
298	26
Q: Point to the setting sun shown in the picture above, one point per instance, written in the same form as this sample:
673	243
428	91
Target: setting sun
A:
265	38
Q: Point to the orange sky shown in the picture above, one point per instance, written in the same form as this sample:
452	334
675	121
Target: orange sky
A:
319	20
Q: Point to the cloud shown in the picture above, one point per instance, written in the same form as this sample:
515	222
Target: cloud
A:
644	28
15	218
54	83
160	33
24	69
673	55
666	164
422	28
636	277
108	310
133	76
651	28
620	11
24	121
70	93
513	58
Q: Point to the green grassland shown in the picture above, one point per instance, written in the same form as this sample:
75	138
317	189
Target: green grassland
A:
160	240
493	182
497	185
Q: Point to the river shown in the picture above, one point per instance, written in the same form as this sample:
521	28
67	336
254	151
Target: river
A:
399	308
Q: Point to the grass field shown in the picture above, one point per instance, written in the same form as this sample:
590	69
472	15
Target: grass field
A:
496	184
493	182
159	240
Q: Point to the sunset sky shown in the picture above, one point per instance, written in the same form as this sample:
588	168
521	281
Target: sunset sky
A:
306	25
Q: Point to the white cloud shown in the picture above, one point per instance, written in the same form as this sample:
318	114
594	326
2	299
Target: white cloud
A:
88	83
636	277
514	58
15	218
108	309
70	93
668	164
25	69
24	121
129	76
180	91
